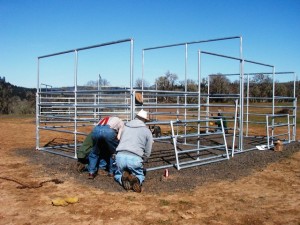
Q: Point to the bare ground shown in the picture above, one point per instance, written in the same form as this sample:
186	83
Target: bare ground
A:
256	187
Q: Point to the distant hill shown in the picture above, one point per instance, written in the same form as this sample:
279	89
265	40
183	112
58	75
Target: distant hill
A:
15	99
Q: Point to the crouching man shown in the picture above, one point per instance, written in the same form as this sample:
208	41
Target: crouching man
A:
135	146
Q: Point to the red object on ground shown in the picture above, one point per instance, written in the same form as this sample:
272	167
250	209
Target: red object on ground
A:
166	173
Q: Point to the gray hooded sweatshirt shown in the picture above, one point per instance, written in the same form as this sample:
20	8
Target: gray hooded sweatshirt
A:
136	138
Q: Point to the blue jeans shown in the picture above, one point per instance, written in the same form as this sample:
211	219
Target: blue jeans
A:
130	162
105	143
111	166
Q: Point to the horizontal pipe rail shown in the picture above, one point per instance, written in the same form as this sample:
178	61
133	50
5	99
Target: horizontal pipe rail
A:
85	48
191	42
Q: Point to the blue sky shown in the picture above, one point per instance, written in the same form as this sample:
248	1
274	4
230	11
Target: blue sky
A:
32	28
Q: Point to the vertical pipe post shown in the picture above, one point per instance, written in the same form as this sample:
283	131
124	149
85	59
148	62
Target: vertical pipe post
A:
273	103
99	93
289	129
247	106
234	127
185	67
207	102
75	99
294	110
37	108
199	95
143	61
95	107
178	111
174	138
131	80
295	119
241	132
143	64
133	96
156	100
185	88
267	131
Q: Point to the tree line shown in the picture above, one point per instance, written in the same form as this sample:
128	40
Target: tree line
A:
260	86
16	100
20	100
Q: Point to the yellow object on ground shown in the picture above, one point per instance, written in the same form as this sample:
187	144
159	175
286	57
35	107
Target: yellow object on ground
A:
64	202
59	202
72	200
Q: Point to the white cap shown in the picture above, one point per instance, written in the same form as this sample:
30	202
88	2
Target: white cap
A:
143	114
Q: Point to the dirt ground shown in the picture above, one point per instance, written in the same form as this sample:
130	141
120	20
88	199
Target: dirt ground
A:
256	187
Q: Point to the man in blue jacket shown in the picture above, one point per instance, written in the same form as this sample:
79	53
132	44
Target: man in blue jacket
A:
135	146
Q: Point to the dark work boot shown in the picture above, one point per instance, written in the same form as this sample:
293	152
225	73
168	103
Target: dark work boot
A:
80	167
135	183
91	176
125	181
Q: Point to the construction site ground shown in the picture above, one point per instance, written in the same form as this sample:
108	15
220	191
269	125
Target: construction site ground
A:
255	187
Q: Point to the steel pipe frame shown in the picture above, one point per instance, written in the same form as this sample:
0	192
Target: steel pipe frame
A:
273	89
273	99
198	161
131	71
65	112
75	84
242	85
242	62
186	55
273	126
241	96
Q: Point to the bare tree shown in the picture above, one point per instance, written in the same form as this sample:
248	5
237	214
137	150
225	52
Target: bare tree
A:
204	85
191	85
166	82
139	82
93	83
104	82
281	89
261	86
219	84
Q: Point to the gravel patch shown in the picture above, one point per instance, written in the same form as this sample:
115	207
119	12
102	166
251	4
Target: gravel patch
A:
240	165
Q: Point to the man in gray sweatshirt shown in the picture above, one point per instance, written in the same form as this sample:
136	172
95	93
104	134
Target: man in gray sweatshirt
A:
135	146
